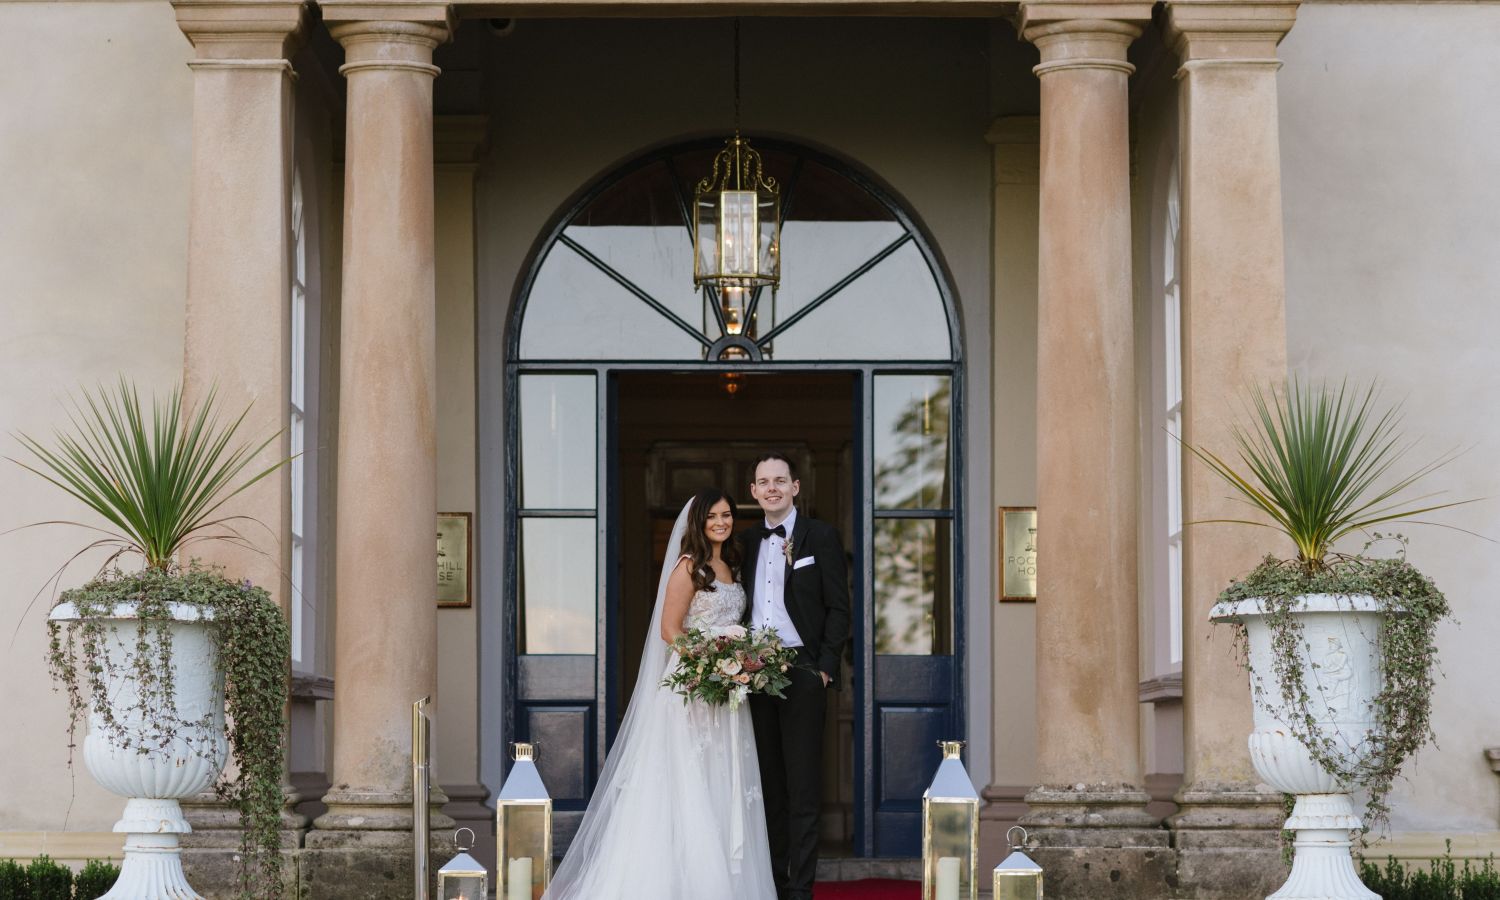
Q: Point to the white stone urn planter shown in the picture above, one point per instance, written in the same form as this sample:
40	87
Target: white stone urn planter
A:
1341	671
155	780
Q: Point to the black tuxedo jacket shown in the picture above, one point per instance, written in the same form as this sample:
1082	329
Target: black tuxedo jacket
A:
817	592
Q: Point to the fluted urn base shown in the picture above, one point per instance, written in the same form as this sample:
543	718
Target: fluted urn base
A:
1323	868
152	869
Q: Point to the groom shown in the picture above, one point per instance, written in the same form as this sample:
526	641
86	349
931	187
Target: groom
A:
796	581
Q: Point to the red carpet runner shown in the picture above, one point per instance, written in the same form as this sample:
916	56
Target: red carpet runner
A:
869	889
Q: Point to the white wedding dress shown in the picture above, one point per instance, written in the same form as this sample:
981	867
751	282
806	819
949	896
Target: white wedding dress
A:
677	813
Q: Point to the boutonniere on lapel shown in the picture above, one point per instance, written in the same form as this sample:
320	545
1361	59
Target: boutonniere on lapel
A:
788	550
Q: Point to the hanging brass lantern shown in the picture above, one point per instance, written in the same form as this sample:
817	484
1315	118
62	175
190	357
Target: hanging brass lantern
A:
1018	877
737	229
950	831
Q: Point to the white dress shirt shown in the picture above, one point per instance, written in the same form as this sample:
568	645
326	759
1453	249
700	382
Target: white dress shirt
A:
770	588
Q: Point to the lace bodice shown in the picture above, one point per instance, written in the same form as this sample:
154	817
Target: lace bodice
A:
717	608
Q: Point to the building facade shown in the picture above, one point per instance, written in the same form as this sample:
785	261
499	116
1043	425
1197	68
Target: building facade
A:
446	249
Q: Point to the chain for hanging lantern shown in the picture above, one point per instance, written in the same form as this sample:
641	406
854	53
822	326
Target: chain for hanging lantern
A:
737	221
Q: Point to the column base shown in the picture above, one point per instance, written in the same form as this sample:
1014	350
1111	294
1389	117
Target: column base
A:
211	853
362	847
1099	843
1228	842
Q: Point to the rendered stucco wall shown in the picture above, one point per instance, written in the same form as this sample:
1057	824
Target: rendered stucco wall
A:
95	139
1390	121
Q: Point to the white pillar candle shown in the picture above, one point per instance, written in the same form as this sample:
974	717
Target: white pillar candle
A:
518	879
947	878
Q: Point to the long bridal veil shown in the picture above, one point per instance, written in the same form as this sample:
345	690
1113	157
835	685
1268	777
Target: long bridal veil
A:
677	812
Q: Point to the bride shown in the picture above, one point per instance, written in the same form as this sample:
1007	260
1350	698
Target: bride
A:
677	813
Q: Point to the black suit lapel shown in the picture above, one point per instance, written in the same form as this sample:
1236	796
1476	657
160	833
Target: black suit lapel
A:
799	533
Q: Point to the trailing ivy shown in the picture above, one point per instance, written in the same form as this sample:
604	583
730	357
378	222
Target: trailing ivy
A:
253	644
1411	608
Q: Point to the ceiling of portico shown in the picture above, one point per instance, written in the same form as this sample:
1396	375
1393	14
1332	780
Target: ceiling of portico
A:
716	8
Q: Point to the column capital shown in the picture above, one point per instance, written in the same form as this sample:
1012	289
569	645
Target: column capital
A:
352	21
242	30
1227	32
1079	35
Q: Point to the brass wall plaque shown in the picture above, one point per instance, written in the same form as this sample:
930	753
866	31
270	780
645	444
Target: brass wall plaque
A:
454	549
1018	553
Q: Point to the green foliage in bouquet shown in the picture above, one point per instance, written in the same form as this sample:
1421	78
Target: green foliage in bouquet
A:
160	483
724	666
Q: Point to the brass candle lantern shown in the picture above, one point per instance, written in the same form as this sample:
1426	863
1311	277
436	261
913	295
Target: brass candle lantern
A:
737	228
950	831
463	878
1018	877
523	830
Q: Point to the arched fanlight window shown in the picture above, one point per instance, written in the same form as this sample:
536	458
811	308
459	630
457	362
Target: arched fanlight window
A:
615	279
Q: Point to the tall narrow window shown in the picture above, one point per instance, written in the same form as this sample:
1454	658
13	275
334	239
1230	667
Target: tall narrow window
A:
303	621
1171	411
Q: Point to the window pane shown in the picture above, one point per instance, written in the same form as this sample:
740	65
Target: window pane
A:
911	442
557	589
575	311
913	587
893	311
558	452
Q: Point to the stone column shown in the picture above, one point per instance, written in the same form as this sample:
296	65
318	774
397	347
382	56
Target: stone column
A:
238	314
1089	808
239	236
386	633
1233	335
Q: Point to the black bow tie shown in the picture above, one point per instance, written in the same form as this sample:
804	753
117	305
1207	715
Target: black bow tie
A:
779	531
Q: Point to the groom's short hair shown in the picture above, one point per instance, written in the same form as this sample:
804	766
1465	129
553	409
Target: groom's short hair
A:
791	467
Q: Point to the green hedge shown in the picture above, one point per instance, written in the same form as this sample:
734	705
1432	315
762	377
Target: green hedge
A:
1441	880
45	879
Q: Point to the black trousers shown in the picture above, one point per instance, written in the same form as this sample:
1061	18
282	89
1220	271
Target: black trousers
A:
789	742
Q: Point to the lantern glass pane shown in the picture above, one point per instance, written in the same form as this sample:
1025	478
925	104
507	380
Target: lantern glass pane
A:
1018	886
462	887
706	228
739	233
524	851
951	835
767	240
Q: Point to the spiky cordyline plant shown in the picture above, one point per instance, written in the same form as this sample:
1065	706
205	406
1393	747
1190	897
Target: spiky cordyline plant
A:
160	485
1318	460
1315	460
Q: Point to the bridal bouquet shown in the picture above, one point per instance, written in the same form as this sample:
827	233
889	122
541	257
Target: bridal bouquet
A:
725	665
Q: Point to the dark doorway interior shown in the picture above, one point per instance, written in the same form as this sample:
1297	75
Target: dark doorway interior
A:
675	433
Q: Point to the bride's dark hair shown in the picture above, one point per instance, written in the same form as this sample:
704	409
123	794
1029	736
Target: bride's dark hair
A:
695	543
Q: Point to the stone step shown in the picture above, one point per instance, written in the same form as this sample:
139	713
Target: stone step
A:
852	868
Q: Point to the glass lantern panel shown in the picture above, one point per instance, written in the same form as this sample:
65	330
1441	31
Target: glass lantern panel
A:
768	248
522	850
557	588
914	587
558	423
911	441
950	857
1018	886
462	887
738	233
